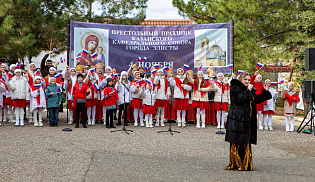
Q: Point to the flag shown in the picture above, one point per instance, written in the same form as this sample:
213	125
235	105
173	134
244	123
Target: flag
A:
200	67
85	52
273	84
112	92
79	57
115	75
166	68
154	72
56	49
59	75
18	65
63	60
59	90
95	87
259	65
94	55
148	81
37	85
157	66
240	71
143	59
138	59
186	67
207	79
37	72
92	70
0	63
281	82
146	69
230	66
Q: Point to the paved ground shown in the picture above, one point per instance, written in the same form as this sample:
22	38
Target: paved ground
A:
95	154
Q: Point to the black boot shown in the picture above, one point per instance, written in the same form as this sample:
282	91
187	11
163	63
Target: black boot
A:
112	124
77	124
118	123
84	124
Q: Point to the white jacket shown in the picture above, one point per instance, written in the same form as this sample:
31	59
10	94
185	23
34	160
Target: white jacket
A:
271	102
218	94
123	89
196	95
2	91
178	94
161	92
19	87
136	93
149	97
33	99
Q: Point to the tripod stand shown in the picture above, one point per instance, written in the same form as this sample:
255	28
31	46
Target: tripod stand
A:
67	125
170	120
125	116
221	132
310	108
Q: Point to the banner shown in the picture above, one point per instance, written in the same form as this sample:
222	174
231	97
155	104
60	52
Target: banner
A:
120	46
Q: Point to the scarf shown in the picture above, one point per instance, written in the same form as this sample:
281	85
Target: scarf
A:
166	85
225	86
203	84
179	85
292	98
38	97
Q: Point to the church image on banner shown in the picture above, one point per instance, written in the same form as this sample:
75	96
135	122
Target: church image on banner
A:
210	47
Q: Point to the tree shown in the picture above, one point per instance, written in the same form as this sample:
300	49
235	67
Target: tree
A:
127	12
266	31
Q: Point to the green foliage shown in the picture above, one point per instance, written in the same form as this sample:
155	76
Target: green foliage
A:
266	31
29	26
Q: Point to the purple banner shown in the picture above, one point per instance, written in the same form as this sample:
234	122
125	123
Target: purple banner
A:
121	46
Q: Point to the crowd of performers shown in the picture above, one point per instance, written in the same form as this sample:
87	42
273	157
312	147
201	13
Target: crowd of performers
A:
96	94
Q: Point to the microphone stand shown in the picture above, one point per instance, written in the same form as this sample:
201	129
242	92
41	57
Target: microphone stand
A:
170	120
125	117
221	132
67	125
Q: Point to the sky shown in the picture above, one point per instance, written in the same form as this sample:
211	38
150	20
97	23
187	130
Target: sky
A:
157	9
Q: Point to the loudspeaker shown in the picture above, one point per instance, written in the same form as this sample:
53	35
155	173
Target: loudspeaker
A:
308	90
309	59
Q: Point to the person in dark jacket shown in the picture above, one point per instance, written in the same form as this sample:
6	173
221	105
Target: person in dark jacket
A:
45	65
241	125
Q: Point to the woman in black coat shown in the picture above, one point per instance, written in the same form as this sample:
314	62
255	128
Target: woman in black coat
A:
241	125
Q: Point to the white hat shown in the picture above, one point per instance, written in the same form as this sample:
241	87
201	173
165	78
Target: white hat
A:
199	72
134	74
17	70
180	69
52	68
221	74
124	73
51	78
160	70
33	64
267	81
12	66
108	67
36	78
73	69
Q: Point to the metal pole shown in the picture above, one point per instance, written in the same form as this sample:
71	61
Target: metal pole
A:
232	44
68	60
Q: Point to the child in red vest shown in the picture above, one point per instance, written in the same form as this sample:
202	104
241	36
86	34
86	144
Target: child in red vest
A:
110	102
80	90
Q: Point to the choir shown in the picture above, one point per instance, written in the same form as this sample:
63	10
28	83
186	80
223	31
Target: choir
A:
95	96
